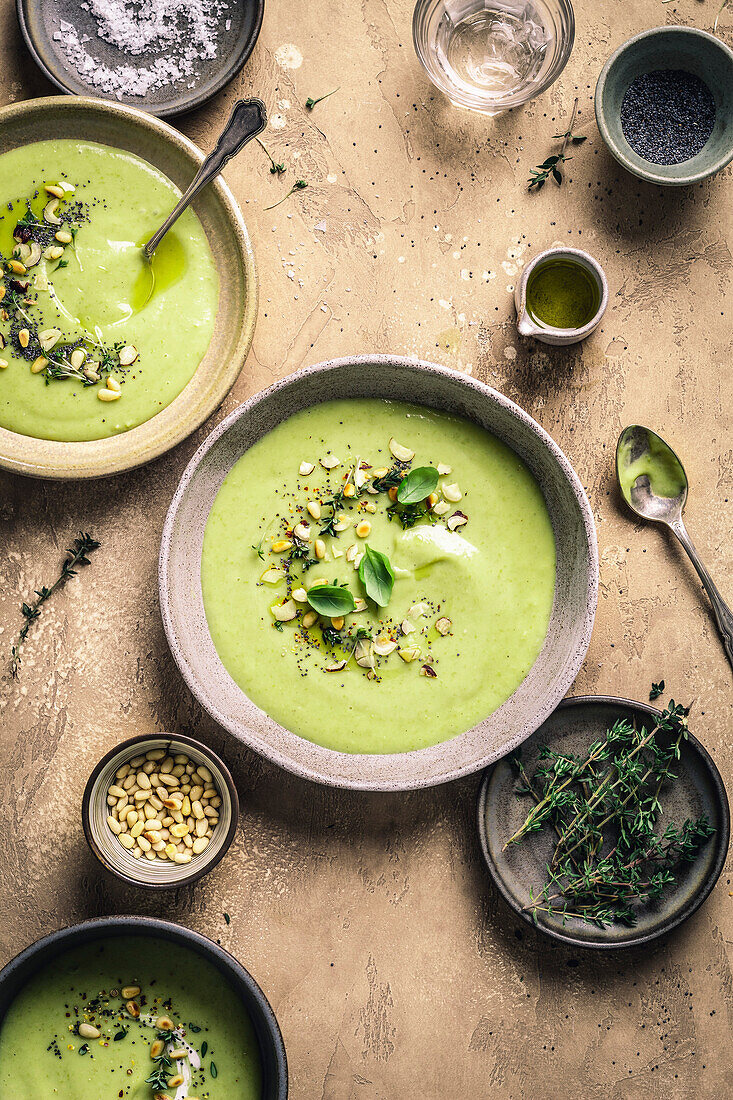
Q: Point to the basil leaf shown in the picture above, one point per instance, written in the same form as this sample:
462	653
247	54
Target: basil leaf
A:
330	599
418	484
375	573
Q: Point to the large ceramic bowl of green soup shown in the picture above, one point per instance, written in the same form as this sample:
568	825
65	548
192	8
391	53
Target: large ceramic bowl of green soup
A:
379	573
137	1007
107	361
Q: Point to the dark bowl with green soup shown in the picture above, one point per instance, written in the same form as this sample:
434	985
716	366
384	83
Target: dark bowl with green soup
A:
154	1004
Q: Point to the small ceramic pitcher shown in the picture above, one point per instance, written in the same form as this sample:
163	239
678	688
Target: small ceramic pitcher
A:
560	336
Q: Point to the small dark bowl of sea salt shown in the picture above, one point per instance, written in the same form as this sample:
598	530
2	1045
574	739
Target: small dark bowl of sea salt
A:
664	105
164	56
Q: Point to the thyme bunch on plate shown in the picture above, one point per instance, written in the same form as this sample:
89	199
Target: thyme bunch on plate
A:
77	555
604	807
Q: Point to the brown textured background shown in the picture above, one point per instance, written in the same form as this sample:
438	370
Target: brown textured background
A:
395	970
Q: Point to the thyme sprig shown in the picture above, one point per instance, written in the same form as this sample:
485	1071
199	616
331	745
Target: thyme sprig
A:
77	555
276	168
604	808
299	185
551	167
311	102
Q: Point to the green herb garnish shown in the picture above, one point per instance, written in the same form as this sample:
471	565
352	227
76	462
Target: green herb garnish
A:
194	1027
120	1034
84	1048
410	514
656	691
227	918
275	168
299	185
257	547
76	556
392	478
604	808
333	600
417	485
310	102
551	166
158	1079
214	1071
375	573
204	1048
60	264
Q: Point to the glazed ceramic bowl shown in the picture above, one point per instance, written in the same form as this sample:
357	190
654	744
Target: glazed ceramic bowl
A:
162	146
684	48
157	874
272	1049
393	378
520	871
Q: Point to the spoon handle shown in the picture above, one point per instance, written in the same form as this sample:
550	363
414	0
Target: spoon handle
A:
248	118
723	614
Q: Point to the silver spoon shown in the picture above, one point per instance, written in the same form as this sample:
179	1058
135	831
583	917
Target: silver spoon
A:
247	120
638	451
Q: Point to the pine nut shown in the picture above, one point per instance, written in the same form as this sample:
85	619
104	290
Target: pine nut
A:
198	810
195	794
164	1023
24	337
126	840
176	1080
114	825
199	844
63	236
320	549
178	1053
133	1008
157	1048
309	619
201	827
108	395
136	829
89	1031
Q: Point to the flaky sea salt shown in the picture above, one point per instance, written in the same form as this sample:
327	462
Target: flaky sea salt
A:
172	34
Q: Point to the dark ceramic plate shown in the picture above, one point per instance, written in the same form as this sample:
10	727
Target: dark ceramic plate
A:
571	728
40	21
272	1049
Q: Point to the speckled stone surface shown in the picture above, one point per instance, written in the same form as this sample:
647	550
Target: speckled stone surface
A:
395	970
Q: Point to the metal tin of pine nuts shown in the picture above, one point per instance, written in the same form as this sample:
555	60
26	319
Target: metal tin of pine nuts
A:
105	843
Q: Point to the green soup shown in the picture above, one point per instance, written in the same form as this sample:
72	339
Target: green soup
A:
42	1053
473	569
93	289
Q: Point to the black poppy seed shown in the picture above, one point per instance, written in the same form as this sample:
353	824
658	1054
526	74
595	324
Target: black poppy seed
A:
667	115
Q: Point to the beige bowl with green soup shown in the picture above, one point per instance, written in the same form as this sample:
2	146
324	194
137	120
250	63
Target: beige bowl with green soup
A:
105	360
382	590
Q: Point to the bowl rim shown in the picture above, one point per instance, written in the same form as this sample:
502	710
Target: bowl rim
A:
684	912
316	770
53	459
70	935
200	869
615	149
226	75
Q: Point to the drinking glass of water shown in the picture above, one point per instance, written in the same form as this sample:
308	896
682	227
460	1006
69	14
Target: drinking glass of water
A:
492	55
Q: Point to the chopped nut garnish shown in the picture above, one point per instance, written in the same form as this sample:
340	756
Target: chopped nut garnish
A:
402	454
24	337
335	667
406	626
309	619
384	647
337	622
48	338
409	653
279	546
272	576
352	551
306	468
349	490
49	211
370	507
302	532
443	626
299	595
39	364
54	189
314	509
458	519
17	267
441	508
284	612
428	670
452	493
330	462
363	528
443	470
418	609
320	548
127	355
3	364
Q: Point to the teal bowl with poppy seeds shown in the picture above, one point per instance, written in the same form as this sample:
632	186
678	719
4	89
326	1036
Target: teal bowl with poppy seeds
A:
668	93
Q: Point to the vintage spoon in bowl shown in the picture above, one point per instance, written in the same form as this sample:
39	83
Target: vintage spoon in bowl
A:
247	120
654	485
